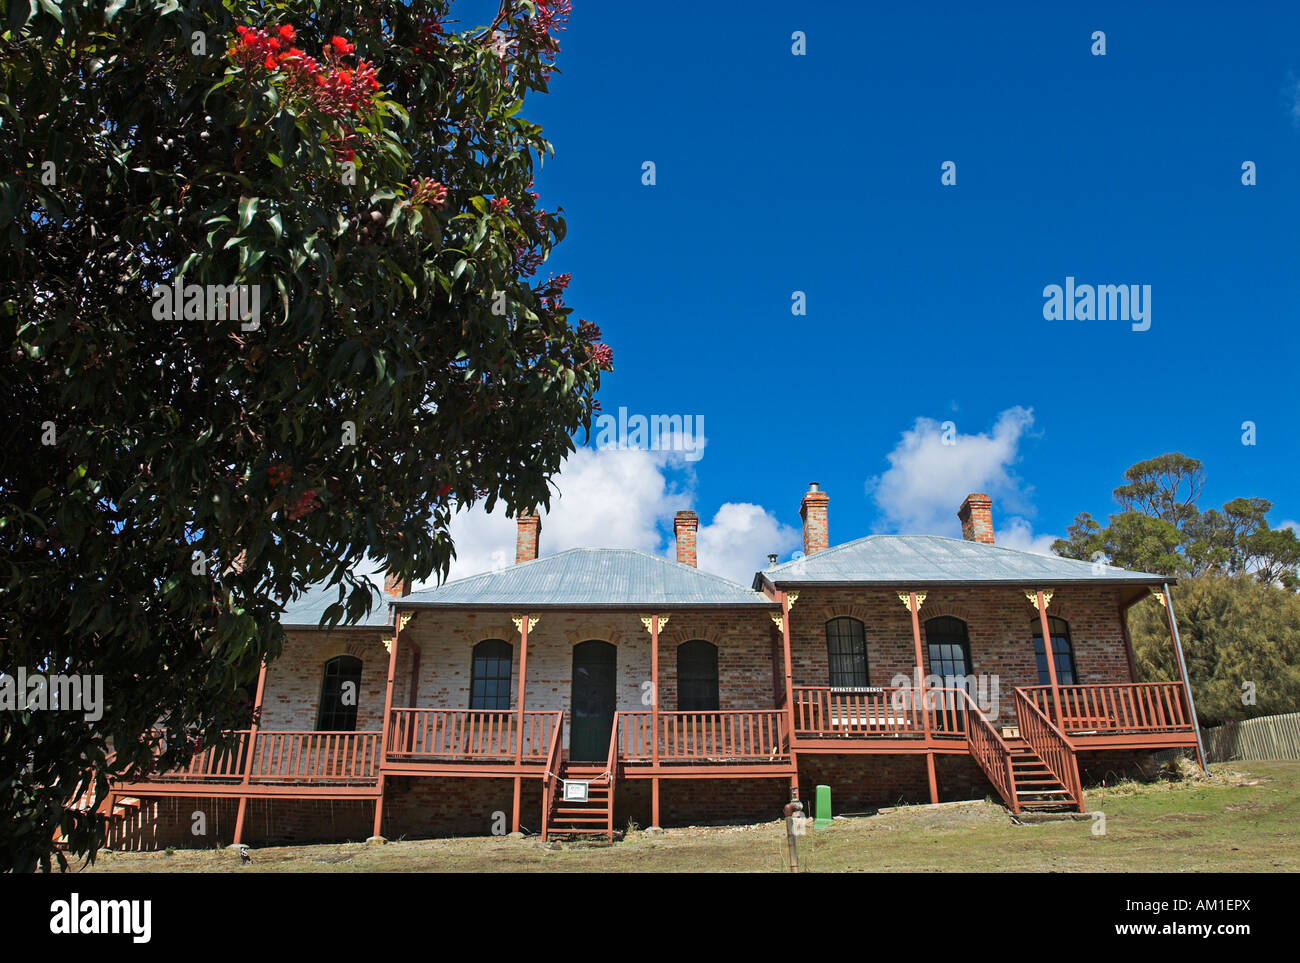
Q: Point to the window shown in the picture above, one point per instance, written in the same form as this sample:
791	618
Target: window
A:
846	647
697	676
489	686
1062	650
339	690
948	642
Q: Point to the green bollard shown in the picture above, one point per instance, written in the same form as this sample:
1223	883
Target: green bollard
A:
823	818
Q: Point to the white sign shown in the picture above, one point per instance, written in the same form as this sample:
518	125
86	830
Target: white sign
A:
575	790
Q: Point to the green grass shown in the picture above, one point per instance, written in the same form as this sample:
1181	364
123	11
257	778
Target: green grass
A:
1246	818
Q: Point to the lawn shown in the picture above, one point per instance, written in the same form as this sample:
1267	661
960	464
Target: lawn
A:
1245	818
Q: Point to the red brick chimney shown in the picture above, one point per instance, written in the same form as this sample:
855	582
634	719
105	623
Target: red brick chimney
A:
685	525
527	534
816	530
396	586
976	514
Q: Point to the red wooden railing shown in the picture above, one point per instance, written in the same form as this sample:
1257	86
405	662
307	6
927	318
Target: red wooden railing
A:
305	756
1050	745
282	756
883	711
992	754
748	734
611	771
469	734
216	763
552	777
1131	707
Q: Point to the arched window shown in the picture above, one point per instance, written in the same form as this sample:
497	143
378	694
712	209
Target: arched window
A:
339	690
948	642
489	686
1062	651
846	649
697	676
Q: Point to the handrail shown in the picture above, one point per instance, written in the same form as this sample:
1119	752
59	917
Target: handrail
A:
298	755
552	772
611	768
889	710
990	751
310	756
1117	707
1051	745
712	734
488	734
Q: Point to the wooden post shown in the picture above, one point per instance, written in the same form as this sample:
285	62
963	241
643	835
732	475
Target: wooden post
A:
1050	654
388	721
519	718
654	718
248	762
914	607
789	690
1182	673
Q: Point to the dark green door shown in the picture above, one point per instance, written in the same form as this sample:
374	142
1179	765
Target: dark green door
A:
594	669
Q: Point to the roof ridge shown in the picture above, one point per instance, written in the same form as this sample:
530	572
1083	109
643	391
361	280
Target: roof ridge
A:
687	571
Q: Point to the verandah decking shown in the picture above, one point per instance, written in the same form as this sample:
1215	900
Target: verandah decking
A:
728	743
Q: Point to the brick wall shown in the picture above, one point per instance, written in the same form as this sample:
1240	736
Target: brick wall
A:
447	640
866	782
293	681
1000	623
163	822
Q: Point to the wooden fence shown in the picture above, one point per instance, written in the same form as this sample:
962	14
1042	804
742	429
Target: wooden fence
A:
1268	737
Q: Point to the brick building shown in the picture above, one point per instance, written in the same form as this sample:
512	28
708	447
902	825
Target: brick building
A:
576	692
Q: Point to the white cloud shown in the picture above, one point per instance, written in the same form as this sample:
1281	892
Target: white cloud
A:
1017	533
624	498
934	467
737	542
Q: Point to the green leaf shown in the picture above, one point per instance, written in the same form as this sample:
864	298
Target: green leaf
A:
247	208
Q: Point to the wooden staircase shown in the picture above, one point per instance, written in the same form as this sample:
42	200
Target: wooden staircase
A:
123	807
1036	770
1035	786
595	817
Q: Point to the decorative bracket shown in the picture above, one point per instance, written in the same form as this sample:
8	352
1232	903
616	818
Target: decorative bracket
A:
402	619
645	620
905	598
1032	595
519	622
791	598
779	620
1159	597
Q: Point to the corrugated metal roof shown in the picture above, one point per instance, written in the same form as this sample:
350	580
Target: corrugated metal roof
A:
935	560
591	578
310	607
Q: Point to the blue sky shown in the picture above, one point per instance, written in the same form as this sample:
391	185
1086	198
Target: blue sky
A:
821	173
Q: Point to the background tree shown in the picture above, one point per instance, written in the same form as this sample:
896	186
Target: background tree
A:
1241	640
1160	529
368	169
1238	614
